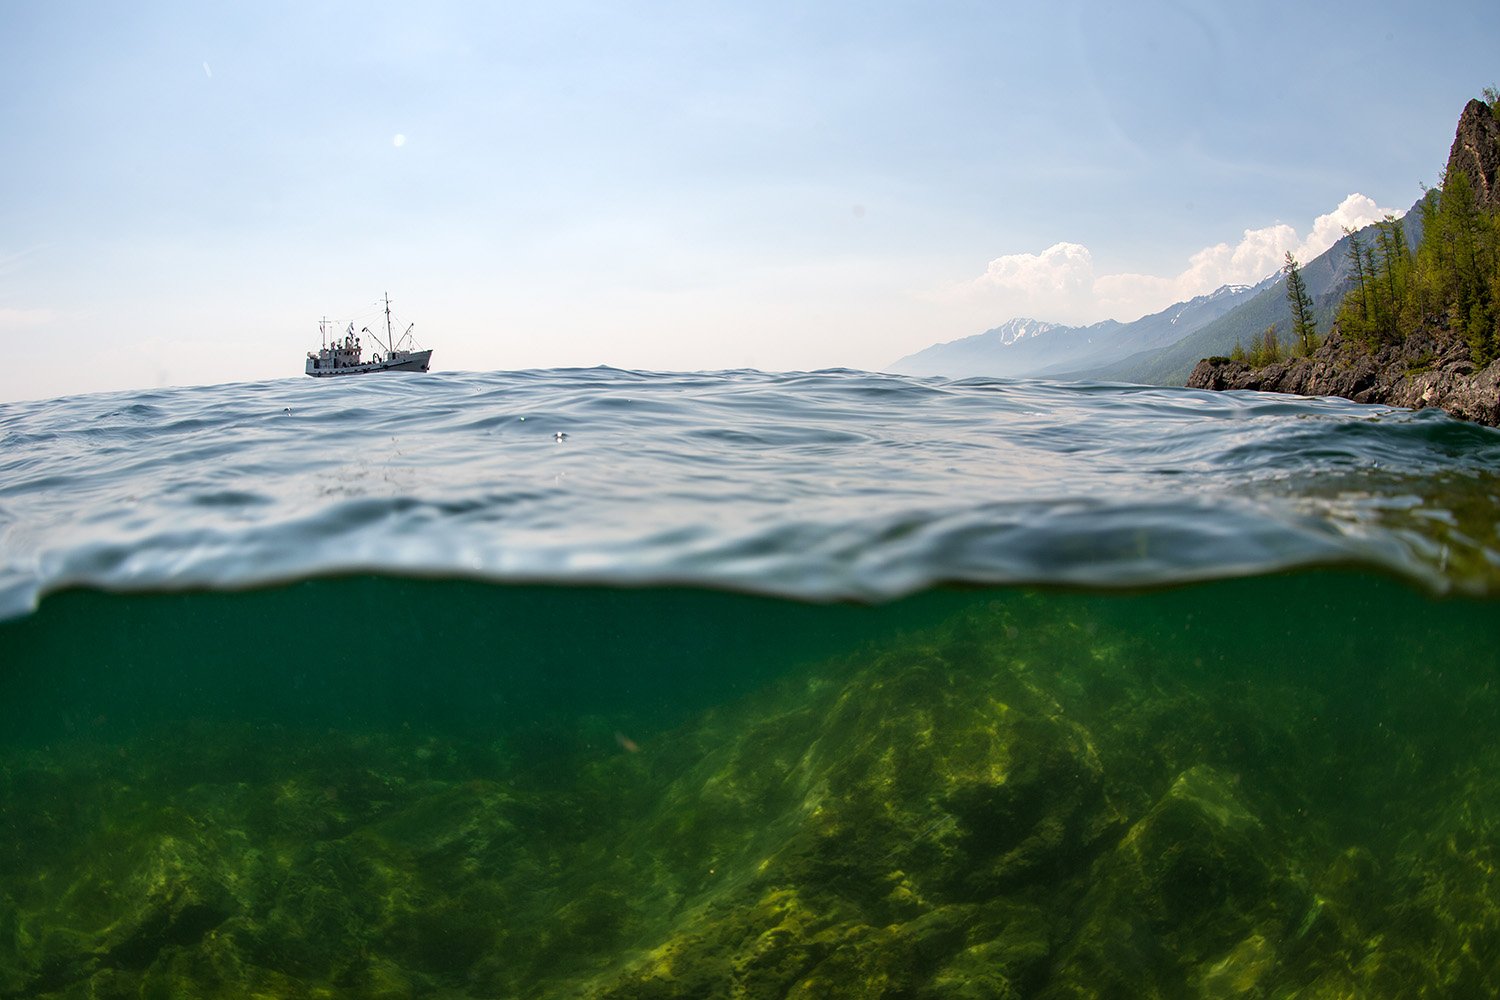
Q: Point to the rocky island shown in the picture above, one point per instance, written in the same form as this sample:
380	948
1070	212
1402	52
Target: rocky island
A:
1437	343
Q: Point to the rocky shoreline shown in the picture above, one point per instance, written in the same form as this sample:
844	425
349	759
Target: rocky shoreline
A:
1429	367
1421	371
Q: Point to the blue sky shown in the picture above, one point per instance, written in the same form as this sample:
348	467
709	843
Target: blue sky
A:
187	188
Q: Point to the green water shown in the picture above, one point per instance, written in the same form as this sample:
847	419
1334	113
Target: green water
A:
373	787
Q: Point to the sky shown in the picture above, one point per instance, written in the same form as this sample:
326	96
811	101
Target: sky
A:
186	189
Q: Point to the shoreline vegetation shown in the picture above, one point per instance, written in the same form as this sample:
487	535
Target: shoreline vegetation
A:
1418	327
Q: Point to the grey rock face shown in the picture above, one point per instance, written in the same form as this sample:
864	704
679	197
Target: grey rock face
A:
1421	371
1476	151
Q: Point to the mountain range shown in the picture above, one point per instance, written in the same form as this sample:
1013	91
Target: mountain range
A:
1159	349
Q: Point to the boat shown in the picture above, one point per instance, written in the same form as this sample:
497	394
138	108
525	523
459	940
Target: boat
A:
346	356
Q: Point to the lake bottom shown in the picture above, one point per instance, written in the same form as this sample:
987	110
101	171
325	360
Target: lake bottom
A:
387	787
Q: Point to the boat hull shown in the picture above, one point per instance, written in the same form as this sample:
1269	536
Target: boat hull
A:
416	361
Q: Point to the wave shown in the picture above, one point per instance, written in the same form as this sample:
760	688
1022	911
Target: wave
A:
832	485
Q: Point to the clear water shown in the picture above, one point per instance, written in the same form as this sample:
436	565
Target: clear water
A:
610	684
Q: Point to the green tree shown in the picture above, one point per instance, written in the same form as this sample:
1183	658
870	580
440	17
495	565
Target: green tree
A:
1355	312
1458	258
1304	328
1266	349
1450	285
1389	270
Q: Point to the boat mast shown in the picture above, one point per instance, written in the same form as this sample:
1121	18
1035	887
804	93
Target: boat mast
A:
388	349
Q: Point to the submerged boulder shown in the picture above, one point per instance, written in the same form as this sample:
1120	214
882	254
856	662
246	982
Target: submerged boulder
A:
123	911
919	829
1194	892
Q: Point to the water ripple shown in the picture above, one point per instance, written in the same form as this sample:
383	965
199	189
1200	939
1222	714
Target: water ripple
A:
820	485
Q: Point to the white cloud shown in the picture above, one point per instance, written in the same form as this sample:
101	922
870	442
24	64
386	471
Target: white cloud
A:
1059	284
1061	269
1354	212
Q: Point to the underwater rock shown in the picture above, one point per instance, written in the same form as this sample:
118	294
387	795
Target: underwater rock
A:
912	812
1187	886
176	897
126	903
978	811
1007	948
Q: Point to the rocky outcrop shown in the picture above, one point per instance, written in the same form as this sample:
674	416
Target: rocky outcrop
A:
1429	367
1423	370
1476	151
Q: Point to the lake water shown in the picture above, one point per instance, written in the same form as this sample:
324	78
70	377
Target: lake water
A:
611	684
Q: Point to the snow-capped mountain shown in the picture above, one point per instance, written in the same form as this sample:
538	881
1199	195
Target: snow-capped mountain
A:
1015	330
1033	347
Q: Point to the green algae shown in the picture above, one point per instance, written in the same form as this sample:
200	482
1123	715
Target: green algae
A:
1270	788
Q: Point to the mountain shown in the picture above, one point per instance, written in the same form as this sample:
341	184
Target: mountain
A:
1160	349
979	354
1031	347
1423	334
1170	326
1327	276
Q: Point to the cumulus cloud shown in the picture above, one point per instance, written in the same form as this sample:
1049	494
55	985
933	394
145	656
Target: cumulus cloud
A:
1061	269
1060	284
1354	212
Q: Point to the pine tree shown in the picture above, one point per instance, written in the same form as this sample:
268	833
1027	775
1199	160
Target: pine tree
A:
1354	316
1396	275
1461	258
1451	283
1265	349
1304	328
1387	270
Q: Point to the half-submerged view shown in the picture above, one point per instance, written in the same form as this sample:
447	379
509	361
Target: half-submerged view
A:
596	684
1144	646
345	356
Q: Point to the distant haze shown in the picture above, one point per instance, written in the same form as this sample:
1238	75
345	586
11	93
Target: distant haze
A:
188	189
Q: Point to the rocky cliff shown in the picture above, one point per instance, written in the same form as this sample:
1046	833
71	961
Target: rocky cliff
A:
1429	366
1476	151
1426	369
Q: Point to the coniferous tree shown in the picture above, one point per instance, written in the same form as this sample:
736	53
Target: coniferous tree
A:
1452	282
1396	274
1374	317
1266	349
1460	255
1354	317
1387	266
1304	328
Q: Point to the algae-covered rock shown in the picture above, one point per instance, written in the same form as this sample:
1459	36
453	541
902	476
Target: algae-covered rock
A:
1006	950
1022	803
903	805
1194	891
158	881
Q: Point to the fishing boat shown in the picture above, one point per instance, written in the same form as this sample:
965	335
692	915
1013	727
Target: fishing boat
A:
345	356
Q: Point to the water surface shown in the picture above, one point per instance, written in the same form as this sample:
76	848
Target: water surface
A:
612	684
